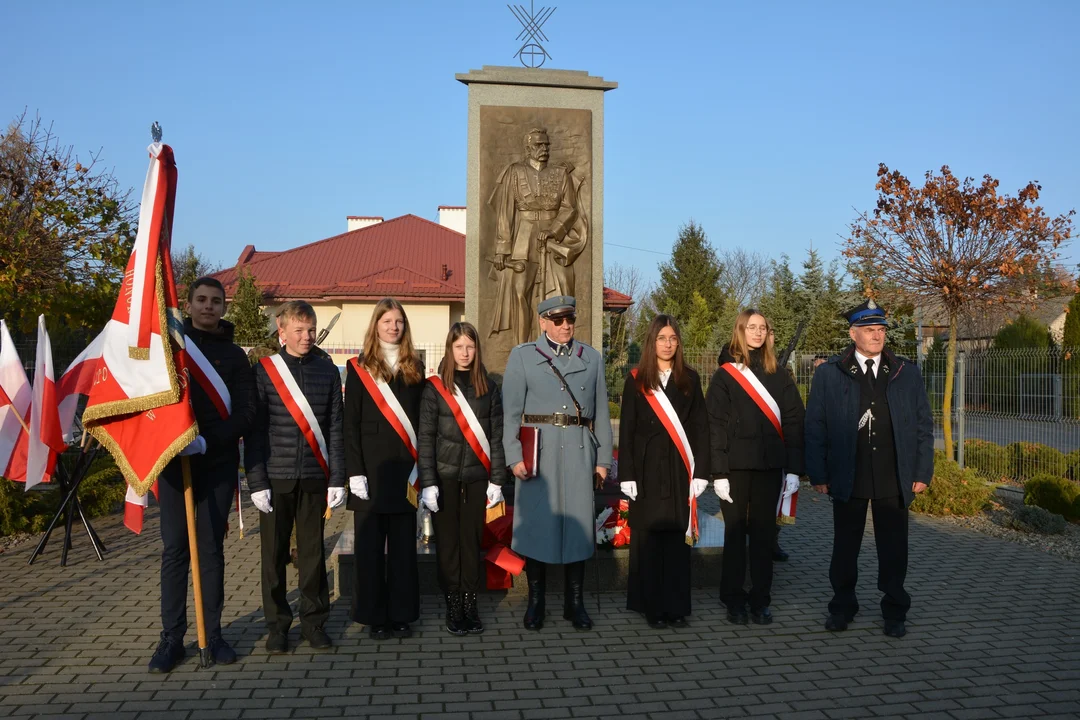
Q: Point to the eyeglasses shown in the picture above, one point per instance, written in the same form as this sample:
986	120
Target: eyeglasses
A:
667	340
558	321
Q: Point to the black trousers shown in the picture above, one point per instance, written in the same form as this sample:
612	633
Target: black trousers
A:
891	535
753	512
459	528
659	580
387	586
305	510
215	489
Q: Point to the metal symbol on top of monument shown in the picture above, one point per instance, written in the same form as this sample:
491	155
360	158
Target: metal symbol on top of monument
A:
532	54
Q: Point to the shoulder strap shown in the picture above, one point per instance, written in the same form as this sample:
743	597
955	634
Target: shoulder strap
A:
566	385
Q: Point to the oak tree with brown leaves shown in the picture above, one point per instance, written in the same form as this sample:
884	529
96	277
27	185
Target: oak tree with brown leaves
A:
958	244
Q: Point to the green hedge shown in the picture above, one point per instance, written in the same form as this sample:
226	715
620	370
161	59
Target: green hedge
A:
614	410
990	460
101	492
1031	459
1072	460
1056	494
953	491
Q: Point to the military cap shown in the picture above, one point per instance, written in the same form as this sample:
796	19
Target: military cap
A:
869	313
558	305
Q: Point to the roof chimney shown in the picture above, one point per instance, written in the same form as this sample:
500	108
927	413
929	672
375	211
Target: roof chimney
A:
358	222
452	217
445	273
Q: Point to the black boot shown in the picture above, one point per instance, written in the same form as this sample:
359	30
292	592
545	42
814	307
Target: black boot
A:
472	614
455	618
574	604
536	573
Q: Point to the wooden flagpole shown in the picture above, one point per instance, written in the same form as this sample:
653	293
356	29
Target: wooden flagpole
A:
193	549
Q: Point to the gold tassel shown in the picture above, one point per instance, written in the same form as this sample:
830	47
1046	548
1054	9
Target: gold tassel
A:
326	515
414	498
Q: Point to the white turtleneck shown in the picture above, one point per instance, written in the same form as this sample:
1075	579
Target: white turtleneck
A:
390	352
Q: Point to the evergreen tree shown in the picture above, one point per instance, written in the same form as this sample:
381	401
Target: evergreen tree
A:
245	312
697	331
1070	343
693	268
1023	332
778	301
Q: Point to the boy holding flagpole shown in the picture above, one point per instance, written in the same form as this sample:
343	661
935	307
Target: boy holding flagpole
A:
296	469
222	396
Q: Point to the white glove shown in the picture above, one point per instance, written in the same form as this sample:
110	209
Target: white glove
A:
494	494
335	497
358	486
722	488
430	497
697	486
791	485
195	447
629	489
261	500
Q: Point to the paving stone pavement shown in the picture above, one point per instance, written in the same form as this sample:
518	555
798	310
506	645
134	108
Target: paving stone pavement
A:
993	633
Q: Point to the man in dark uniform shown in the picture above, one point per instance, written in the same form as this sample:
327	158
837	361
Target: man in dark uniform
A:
215	464
869	440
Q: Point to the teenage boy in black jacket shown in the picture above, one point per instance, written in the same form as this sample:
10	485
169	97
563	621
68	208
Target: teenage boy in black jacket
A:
215	464
296	468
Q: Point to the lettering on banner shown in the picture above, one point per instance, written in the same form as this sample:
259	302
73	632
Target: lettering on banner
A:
150	415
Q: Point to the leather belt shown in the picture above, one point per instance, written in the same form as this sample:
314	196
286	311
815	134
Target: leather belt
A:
538	214
558	420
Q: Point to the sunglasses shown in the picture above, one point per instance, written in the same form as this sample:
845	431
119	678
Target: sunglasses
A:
558	321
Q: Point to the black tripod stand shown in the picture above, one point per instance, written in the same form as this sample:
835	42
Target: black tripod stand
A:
69	506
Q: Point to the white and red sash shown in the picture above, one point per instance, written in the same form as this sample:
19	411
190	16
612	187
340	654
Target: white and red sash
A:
206	375
208	378
664	410
749	382
466	420
298	406
391	409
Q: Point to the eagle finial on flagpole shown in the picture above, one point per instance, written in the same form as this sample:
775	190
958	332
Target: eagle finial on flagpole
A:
155	131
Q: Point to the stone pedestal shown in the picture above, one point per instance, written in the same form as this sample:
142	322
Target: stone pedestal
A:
505	103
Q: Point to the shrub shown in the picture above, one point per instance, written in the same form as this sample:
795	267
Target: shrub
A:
1031	459
1072	461
1032	519
1054	493
953	491
614	410
990	460
101	492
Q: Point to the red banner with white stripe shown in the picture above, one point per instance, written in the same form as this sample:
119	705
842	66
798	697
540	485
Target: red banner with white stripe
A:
138	405
15	396
785	509
665	412
391	409
753	387
466	421
299	408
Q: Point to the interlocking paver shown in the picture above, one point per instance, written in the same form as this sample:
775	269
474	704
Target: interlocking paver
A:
74	642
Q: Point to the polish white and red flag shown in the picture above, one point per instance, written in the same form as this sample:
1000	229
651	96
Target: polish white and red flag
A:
138	406
15	395
46	440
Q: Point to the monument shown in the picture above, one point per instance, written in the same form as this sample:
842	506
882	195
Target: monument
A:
534	197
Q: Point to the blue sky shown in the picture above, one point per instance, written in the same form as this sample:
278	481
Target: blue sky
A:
763	121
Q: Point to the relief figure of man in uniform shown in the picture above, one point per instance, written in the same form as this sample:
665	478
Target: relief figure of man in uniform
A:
541	229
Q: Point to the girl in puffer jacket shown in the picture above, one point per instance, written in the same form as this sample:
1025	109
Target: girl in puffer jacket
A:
461	463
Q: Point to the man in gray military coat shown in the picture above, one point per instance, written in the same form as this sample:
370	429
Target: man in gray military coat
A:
556	384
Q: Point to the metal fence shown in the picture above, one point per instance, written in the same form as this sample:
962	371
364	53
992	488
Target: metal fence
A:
1015	414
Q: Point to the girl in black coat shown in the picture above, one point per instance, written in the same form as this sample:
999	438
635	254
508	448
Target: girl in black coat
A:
386	595
653	474
452	472
755	421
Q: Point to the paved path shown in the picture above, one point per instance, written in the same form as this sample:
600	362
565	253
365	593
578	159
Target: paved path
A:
993	633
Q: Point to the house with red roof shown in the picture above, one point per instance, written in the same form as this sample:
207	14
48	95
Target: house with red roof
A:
419	262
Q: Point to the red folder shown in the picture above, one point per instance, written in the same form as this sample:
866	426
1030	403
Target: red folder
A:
530	448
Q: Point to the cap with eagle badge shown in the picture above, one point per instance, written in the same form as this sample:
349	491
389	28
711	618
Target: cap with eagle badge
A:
556	306
869	313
